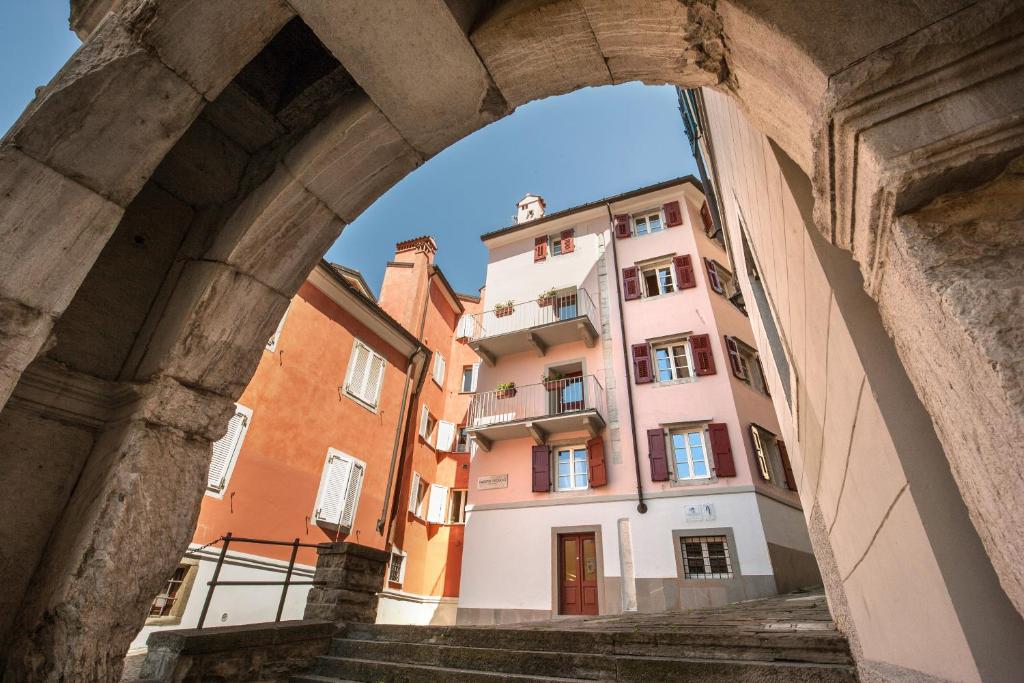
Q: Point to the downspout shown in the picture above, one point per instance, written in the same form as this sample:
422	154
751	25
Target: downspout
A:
641	505
396	448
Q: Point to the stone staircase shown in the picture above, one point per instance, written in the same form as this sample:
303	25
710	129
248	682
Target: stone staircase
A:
745	642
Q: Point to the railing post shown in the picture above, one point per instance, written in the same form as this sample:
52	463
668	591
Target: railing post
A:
213	582
287	579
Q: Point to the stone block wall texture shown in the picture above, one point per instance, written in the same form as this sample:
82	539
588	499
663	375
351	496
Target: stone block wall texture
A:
351	576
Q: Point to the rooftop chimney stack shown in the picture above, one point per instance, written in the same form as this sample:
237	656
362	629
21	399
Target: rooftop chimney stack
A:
529	208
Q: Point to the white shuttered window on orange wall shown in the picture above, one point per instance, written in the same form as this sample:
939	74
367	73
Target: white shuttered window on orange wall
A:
340	485
365	374
224	451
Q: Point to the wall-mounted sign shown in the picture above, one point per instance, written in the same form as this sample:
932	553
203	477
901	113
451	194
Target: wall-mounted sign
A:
493	481
700	512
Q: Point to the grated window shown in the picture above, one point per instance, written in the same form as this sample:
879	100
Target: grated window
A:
706	557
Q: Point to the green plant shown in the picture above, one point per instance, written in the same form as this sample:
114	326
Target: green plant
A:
551	377
548	294
506	386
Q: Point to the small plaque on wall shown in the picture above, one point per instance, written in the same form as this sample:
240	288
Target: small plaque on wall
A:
493	481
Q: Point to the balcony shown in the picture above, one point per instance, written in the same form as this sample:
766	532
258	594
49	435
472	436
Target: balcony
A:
535	325
537	411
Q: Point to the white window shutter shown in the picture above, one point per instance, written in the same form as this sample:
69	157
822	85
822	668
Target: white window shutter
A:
476	375
225	450
375	378
352	490
357	368
438	501
445	435
333	483
272	344
424	414
414	489
439	368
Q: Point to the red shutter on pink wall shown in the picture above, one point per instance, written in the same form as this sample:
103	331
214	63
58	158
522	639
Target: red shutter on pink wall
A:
541	469
704	358
716	284
786	467
540	248
685	278
673	214
705	217
567	240
630	283
656	452
734	358
595	459
642	371
622	230
721	449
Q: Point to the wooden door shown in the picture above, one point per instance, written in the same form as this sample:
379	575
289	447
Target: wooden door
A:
577	574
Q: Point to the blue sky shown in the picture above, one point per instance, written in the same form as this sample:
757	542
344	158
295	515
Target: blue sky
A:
570	149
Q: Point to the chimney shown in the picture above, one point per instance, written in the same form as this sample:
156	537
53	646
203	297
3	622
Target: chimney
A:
529	208
405	280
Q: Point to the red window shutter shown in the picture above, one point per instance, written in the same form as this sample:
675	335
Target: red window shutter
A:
704	358
705	217
622	230
643	373
713	280
630	283
786	467
764	377
567	240
673	214
595	459
541	469
656	452
685	278
734	358
721	449
540	248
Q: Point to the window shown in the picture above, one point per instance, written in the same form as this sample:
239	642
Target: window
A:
272	344
457	506
445	436
427	424
469	376
772	458
396	572
439	368
556	246
341	482
224	452
746	365
658	279
418	496
169	605
705	557
646	223
563	243
573	474
690	455
462	442
365	375
673	361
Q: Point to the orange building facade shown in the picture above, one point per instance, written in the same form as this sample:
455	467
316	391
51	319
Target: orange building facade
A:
349	430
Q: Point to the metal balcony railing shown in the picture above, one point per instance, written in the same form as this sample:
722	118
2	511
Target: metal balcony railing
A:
561	397
530	314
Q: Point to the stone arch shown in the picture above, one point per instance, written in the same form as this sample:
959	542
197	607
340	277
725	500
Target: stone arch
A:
244	218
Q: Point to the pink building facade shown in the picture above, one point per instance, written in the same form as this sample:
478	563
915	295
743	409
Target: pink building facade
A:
625	450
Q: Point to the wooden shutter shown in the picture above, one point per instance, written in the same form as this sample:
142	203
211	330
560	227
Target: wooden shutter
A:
630	283
643	372
445	435
656	452
595	462
476	375
704	359
734	358
759	454
622	230
352	491
568	241
224	451
332	496
786	466
764	377
705	217
721	449
685	278
540	248
673	214
713	279
541	469
424	414
437	503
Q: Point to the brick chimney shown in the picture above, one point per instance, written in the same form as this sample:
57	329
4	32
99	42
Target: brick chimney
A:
405	281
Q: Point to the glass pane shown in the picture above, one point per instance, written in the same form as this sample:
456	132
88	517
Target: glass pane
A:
664	364
563	468
641	226
563	482
581	467
677	441
563	456
682	466
589	560
651	282
570	559
695	441
581	454
581	481
655	223
700	469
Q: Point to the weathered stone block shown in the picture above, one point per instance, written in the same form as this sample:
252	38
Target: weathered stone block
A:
109	116
23	333
350	576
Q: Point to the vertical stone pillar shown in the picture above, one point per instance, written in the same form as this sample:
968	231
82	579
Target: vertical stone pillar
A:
352	575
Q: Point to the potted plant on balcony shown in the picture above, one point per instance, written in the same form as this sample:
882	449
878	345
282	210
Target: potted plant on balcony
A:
504	309
506	390
552	381
546	298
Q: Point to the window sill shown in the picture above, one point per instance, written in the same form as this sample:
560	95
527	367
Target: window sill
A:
648	297
426	443
163	621
673	382
360	402
684	483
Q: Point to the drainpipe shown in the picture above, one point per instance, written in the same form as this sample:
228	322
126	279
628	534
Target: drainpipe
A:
396	448
641	506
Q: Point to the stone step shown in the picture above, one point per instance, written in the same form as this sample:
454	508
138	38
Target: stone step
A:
801	646
627	669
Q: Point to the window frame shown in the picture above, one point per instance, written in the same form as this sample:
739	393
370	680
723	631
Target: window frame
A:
768	457
461	437
705	558
669	345
401	568
418	502
686	431
454	495
750	358
552	241
428	426
646	215
350	372
572	448
656	266
181	596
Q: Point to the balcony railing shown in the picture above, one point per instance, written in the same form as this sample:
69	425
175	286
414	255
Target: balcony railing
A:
564	405
538	324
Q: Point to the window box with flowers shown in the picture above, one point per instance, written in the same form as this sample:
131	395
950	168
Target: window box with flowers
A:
547	298
504	309
552	381
506	390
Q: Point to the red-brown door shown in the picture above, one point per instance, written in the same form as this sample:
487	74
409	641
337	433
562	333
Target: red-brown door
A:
577	574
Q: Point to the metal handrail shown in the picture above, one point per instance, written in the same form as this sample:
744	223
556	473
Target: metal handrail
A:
529	314
545	399
228	540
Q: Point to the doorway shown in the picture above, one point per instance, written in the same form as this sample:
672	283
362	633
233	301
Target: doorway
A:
577	574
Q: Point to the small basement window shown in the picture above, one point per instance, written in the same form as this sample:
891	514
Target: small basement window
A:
706	557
